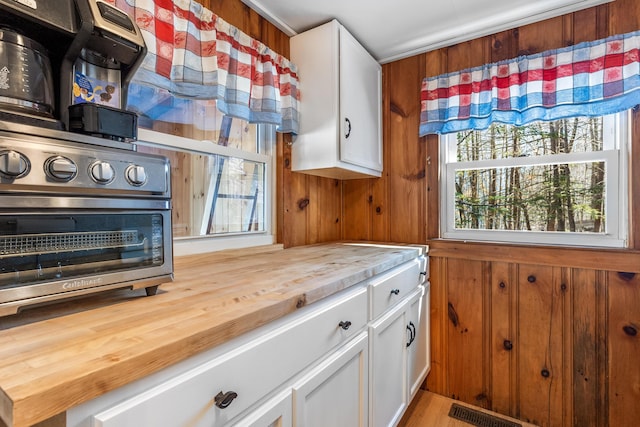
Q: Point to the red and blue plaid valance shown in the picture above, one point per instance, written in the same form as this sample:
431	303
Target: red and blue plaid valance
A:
588	79
192	53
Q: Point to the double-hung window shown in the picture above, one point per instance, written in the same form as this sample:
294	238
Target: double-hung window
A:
562	183
222	175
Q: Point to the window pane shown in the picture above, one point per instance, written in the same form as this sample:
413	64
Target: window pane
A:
557	197
576	135
159	110
214	194
238	197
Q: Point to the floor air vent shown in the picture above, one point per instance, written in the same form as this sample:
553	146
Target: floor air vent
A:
477	418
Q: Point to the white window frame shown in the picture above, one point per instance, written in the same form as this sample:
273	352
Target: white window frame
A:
189	245
616	134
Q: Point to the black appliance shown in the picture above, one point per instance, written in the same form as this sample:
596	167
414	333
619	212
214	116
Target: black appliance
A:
88	42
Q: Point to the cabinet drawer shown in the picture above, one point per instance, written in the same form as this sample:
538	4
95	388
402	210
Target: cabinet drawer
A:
392	287
252	370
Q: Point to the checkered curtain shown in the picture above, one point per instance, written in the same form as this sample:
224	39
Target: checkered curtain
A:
588	79
194	54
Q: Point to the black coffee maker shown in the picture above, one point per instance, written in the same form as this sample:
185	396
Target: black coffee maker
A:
94	50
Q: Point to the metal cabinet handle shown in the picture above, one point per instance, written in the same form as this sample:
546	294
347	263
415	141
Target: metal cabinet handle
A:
395	291
223	400
345	324
412	333
348	133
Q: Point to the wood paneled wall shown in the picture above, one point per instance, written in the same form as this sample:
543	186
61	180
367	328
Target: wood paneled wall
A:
545	335
542	334
548	335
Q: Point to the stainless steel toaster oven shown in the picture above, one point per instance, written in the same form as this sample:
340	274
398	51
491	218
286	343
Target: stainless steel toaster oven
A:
78	217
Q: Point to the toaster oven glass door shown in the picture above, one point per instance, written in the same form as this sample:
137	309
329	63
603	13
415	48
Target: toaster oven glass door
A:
44	247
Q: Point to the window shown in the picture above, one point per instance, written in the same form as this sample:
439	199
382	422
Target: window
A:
561	182
221	173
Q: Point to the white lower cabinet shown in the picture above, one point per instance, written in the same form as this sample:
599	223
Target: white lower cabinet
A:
332	363
335	393
419	352
399	357
388	367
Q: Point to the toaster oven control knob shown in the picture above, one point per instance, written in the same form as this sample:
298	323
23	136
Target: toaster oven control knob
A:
60	168
136	175
102	172
13	164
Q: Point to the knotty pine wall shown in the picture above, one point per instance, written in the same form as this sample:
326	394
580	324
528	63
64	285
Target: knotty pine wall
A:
548	335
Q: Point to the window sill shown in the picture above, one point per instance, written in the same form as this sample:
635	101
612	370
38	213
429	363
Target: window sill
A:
198	245
626	260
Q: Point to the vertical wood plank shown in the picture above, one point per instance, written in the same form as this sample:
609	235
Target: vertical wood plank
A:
602	351
437	380
540	345
624	348
295	202
379	188
541	36
584	25
435	64
432	144
325	210
502	338
357	209
504	45
234	12
624	16
485	399
406	160
465	331
254	24
469	54
584	297
565	298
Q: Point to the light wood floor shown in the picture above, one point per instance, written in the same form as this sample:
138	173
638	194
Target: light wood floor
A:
431	410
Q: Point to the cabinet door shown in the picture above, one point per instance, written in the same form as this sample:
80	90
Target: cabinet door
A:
418	352
335	393
389	338
276	412
360	105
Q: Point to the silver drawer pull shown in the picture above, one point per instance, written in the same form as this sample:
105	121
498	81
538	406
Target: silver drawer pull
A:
224	399
345	325
395	291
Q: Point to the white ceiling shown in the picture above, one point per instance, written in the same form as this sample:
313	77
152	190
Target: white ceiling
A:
394	29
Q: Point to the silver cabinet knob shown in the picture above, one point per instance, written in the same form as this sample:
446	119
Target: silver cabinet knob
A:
61	168
13	164
136	175
102	172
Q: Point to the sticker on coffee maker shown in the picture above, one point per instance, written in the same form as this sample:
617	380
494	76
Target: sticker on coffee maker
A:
29	3
4	78
89	89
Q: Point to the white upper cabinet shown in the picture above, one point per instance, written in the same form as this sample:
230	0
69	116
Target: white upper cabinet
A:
341	105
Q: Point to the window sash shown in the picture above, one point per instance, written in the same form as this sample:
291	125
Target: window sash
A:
231	240
615	154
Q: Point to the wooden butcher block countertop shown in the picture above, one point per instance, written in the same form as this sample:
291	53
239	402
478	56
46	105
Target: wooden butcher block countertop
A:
53	358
